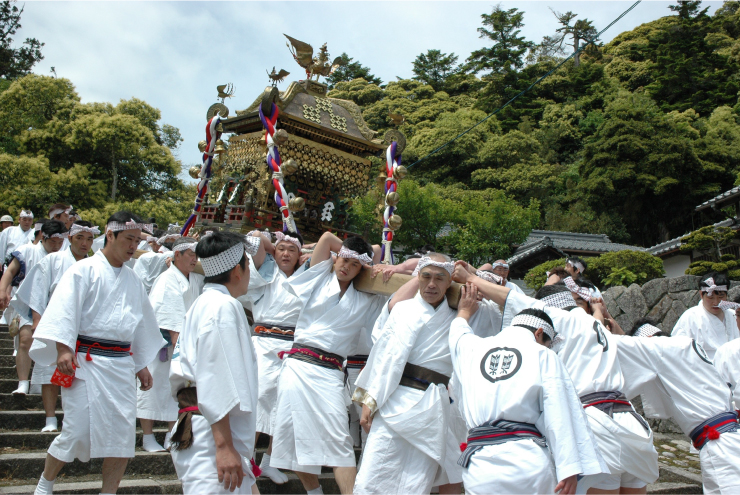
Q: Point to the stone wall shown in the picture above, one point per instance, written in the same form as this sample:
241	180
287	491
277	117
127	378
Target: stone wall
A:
663	300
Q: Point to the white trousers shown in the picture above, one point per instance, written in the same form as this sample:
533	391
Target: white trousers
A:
311	425
157	403
268	372
520	466
393	465
720	464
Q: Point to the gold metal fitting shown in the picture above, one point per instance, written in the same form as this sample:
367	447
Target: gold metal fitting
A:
289	166
394	222
219	149
400	172
280	137
194	171
392	198
202	146
296	204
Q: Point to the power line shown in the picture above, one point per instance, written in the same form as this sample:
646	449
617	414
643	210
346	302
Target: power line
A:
589	42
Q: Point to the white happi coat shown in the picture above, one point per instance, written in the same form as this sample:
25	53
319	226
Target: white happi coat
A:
93	300
14	237
214	353
34	294
535	389
271	304
311	428
149	266
171	296
727	362
677	379
29	254
707	329
415	333
98	243
591	358
513	287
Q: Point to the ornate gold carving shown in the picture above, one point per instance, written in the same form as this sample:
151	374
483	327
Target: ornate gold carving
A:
356	114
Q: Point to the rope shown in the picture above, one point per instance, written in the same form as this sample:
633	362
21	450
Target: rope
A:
212	136
588	42
391	185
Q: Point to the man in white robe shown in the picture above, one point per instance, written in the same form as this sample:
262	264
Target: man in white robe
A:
501	268
18	235
22	261
275	311
624	438
214	376
311	428
101	311
518	400
151	265
171	296
5	222
727	362
405	382
33	295
707	323
677	379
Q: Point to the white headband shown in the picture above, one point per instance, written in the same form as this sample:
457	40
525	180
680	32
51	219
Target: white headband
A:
562	300
711	288
56	212
490	277
728	305
37	226
130	225
287	238
223	261
576	264
503	265
348	253
26	214
534	322
167	237
184	247
572	286
63	235
427	261
151	238
646	330
76	229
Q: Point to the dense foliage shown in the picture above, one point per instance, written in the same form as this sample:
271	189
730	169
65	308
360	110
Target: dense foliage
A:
626	142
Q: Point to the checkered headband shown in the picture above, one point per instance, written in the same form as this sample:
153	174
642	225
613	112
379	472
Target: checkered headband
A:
130	225
349	253
490	277
646	330
532	321
562	300
709	287
76	229
280	237
186	246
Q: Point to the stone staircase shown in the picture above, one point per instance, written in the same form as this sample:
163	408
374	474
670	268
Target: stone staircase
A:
23	450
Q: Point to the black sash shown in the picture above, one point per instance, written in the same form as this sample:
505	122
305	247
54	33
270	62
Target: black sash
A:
610	403
498	432
102	347
420	378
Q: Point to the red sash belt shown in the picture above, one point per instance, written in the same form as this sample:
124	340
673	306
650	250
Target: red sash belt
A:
308	352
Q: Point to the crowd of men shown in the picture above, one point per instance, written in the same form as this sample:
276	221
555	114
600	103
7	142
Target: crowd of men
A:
497	391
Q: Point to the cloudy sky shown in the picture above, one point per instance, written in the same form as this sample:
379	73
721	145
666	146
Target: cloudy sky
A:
174	54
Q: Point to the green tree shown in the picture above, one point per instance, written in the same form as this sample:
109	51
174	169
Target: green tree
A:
434	68
580	30
351	70
709	241
15	62
503	28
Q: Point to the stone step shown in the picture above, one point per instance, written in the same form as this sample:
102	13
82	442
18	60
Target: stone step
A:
669	488
7	359
35	420
163	485
38	440
10	402
27	464
7	385
8	372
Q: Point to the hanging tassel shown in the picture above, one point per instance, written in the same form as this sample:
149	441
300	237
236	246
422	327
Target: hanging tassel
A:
255	468
463	446
711	433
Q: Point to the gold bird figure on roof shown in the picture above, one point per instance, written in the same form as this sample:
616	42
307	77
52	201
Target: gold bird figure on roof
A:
277	77
396	119
225	91
314	66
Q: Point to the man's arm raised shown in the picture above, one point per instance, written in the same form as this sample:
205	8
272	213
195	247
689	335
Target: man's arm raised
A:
327	243
488	290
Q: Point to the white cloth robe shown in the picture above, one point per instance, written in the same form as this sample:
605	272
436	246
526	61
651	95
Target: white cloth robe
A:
538	391
591	358
98	243
511	285
171	296
727	362
149	266
270	304
416	333
214	353
677	379
100	406
34	294
30	254
311	428
14	237
707	329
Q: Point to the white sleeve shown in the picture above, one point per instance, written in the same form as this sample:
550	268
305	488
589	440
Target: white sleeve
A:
727	362
683	326
458	329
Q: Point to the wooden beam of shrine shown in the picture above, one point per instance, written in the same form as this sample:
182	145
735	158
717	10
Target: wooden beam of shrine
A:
366	283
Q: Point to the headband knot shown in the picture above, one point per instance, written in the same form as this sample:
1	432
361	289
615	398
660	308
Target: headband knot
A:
710	287
572	286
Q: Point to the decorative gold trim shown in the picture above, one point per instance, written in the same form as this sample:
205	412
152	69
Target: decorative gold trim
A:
361	396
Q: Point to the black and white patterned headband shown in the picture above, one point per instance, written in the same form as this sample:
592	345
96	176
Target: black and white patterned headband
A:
646	330
535	322
562	300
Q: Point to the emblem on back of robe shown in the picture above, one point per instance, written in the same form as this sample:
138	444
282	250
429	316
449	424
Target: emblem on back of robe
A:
601	336
500	363
701	352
